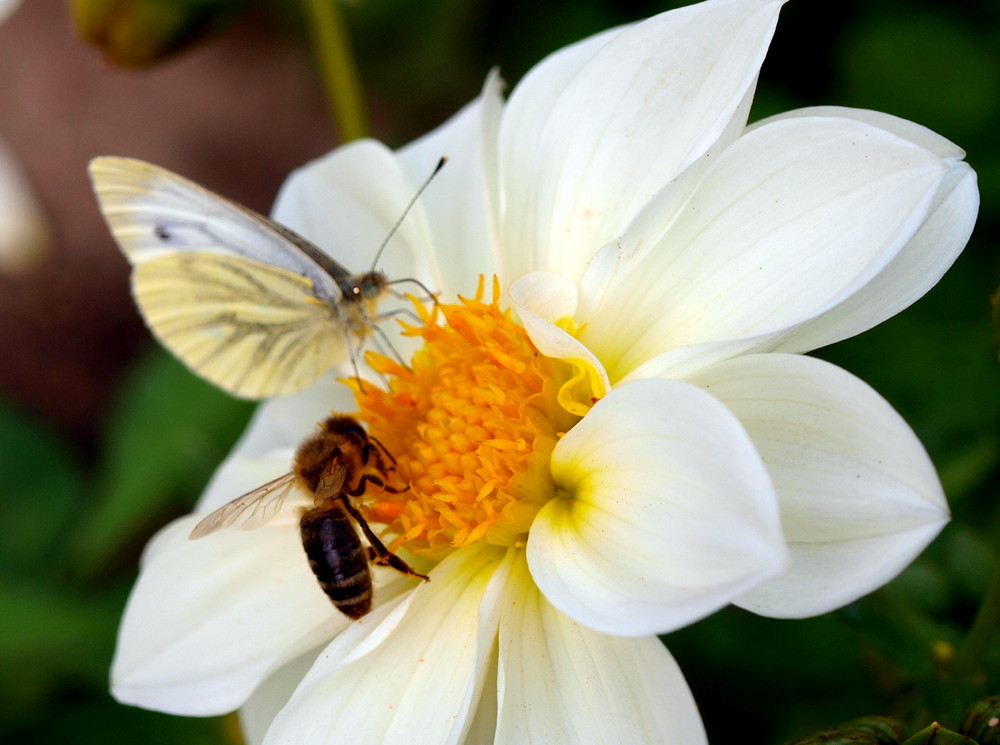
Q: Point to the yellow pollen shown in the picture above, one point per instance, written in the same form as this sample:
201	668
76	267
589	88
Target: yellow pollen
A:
471	424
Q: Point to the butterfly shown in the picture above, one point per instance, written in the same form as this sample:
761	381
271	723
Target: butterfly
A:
243	301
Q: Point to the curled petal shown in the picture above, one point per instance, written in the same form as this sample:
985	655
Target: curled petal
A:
666	513
598	128
859	496
793	218
925	258
423	658
210	619
907	130
562	683
543	299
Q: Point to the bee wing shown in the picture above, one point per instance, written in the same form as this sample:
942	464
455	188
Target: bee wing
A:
151	211
244	302
254	330
253	510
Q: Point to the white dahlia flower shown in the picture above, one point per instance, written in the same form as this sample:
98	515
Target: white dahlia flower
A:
623	440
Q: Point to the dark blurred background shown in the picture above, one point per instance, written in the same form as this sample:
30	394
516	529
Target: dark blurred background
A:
103	438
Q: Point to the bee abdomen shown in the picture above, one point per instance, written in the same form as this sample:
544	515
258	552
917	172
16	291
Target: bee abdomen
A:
338	559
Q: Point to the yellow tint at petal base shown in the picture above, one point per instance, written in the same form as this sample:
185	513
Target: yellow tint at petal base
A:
471	424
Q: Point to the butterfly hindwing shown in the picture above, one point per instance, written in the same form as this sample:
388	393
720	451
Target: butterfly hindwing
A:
253	329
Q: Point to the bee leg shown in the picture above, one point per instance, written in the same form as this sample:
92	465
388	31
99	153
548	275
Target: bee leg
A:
384	451
369	451
377	550
371	478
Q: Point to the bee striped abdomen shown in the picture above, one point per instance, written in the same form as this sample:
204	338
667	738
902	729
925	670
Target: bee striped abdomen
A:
338	559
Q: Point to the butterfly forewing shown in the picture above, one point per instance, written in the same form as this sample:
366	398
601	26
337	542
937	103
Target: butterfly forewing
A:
253	329
253	510
246	303
151	210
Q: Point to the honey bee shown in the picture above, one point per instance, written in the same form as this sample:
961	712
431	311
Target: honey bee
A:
332	466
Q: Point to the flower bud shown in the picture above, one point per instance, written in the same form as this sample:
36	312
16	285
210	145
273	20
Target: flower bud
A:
136	33
982	721
938	735
862	731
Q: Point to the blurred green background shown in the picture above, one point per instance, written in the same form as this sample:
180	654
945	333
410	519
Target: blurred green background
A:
103	438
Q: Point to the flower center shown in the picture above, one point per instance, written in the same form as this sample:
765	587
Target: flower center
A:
471	424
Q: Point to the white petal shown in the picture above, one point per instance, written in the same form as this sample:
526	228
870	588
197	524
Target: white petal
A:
793	218
859	496
647	103
284	422
271	696
913	271
240	474
562	683
458	203
924	260
911	131
25	236
267	447
482	730
209	619
667	513
542	299
406	670
7	7
347	202
523	119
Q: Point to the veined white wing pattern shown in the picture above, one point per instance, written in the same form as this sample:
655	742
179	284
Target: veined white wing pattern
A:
243	301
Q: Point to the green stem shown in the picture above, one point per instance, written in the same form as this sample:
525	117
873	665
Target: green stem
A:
972	651
337	69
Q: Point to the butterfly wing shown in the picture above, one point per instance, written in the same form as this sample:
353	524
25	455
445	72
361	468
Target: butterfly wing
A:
253	510
252	329
245	303
151	210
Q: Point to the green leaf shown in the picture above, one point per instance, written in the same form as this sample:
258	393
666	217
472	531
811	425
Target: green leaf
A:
926	66
52	634
40	491
101	721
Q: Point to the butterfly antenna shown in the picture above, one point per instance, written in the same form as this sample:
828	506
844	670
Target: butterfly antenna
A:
392	232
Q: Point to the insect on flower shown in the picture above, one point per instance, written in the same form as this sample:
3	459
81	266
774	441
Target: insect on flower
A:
244	302
333	465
